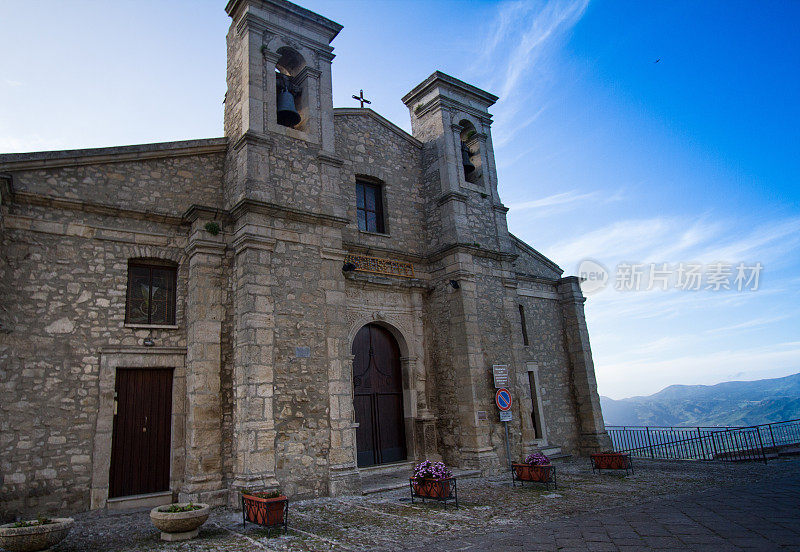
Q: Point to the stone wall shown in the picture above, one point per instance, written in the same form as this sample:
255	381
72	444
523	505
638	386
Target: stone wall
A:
371	146
63	284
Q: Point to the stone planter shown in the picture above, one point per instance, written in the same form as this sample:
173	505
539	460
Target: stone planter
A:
36	537
179	526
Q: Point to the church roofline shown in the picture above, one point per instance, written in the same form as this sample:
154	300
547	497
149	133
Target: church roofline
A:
365	111
438	79
539	257
332	27
115	154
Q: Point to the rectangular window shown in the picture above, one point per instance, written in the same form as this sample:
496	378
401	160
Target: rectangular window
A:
151	294
369	205
535	414
524	326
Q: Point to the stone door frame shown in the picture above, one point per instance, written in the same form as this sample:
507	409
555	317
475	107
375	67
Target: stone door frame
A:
111	359
409	380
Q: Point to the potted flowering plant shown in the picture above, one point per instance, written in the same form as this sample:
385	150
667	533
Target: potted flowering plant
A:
611	460
180	521
536	467
265	508
32	535
433	480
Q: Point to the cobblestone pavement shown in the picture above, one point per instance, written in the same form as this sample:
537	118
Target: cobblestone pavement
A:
753	517
662	506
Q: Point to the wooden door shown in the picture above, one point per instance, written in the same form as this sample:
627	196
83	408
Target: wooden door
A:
378	397
141	443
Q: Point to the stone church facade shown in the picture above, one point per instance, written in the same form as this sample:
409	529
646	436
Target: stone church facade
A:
284	306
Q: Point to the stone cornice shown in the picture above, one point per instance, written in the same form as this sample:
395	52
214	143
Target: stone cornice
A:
446	81
281	211
321	24
451	196
132	350
306	72
120	154
207	247
394	254
501	208
381	281
523	277
249	240
472	250
253	138
29	198
196	211
367	112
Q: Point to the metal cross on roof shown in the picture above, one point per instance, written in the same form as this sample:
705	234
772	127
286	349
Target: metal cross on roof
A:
360	98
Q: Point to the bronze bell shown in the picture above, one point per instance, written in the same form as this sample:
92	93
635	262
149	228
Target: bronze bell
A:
287	113
469	168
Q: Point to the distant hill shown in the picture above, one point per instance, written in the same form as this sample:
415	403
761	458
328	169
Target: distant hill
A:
733	403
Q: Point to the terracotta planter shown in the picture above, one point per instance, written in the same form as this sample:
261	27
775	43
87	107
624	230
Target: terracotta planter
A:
431	488
179	526
611	461
36	537
263	511
526	472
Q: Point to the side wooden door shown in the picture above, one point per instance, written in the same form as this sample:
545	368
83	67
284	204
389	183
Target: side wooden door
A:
142	436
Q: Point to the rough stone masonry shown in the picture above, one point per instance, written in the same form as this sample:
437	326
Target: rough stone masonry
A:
276	270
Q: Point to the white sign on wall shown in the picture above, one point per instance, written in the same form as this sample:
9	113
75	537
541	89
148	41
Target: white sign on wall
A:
500	374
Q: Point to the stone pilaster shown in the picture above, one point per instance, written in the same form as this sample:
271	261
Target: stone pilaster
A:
343	472
204	314
254	426
593	436
476	450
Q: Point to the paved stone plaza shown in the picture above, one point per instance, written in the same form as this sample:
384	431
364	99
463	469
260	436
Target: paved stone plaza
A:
662	506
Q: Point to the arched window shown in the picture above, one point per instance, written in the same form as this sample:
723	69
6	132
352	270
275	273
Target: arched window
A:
292	99
151	292
470	153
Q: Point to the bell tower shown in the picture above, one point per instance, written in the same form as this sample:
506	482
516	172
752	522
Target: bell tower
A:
279	85
469	245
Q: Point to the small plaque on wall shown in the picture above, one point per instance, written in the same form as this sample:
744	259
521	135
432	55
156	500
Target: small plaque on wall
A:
500	374
483	415
302	352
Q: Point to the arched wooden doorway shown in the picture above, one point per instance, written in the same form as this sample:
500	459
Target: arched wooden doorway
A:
378	397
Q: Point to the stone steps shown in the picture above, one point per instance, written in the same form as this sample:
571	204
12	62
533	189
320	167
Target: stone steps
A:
554	453
395	476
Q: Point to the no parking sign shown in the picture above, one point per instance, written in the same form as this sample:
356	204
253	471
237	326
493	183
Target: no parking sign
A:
503	399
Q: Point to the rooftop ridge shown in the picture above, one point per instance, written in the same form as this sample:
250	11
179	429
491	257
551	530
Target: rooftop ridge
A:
366	111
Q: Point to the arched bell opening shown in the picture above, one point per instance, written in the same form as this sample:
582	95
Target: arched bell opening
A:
380	393
470	152
291	96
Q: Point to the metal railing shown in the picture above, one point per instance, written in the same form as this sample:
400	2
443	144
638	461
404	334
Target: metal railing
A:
706	443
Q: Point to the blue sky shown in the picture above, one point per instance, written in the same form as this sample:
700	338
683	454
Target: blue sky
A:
601	152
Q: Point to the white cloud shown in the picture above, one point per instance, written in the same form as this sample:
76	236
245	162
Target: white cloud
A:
520	42
555	199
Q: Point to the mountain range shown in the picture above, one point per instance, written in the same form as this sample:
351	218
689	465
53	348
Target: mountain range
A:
733	403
